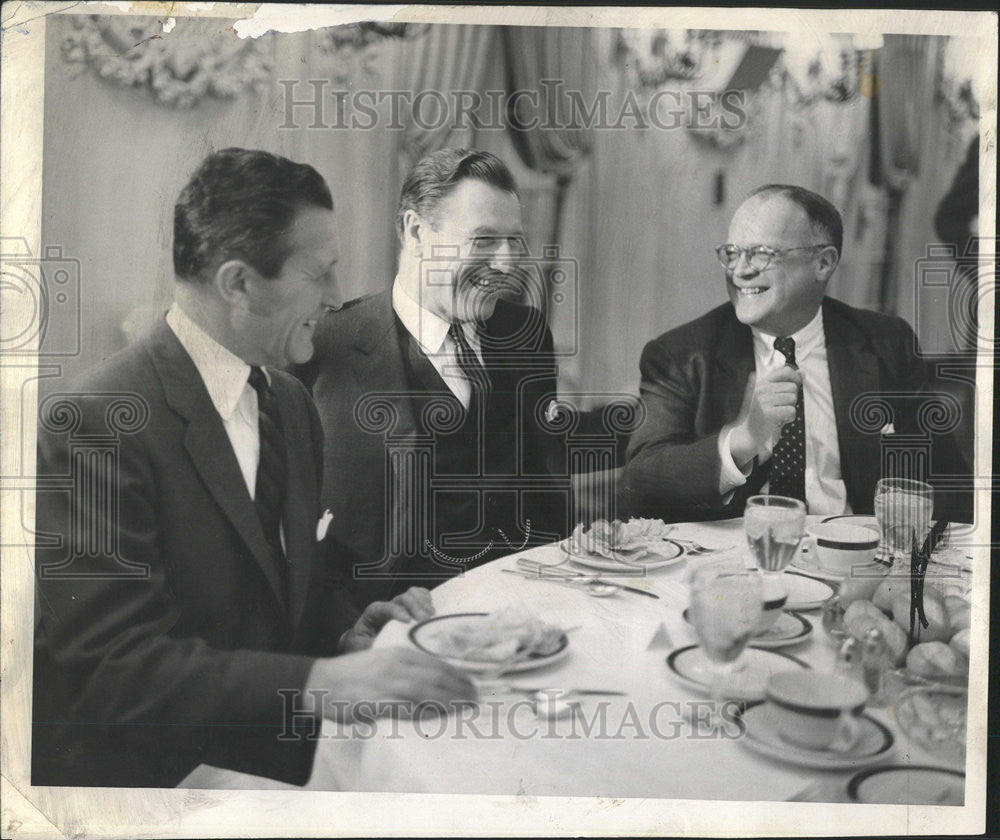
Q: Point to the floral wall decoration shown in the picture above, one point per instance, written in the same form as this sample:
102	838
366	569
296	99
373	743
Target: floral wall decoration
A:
177	62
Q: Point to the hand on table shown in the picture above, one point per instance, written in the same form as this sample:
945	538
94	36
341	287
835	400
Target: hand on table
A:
395	675
768	403
415	603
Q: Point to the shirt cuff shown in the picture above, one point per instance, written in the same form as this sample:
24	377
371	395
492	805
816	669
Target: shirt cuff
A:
730	476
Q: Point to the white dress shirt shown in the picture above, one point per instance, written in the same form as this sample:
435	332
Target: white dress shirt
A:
226	380
431	333
825	490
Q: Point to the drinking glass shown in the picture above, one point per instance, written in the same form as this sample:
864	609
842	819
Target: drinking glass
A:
903	508
774	526
726	604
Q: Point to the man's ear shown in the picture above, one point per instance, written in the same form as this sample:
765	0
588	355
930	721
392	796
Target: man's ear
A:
827	261
414	232
231	279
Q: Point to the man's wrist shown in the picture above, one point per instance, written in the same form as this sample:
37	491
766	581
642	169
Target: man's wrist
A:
742	447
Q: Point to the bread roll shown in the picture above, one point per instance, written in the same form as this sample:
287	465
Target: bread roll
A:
959	612
933	659
938	627
863	616
888	589
860	587
960	642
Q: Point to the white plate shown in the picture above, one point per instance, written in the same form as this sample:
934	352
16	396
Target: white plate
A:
874	743
425	634
904	784
656	554
789	628
806	592
690	666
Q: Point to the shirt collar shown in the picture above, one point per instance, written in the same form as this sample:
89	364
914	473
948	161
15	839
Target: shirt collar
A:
807	340
429	329
224	374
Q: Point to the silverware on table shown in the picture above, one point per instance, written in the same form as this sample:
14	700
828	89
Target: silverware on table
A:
592	584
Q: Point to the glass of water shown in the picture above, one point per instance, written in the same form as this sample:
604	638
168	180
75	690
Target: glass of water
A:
774	526
903	508
726	604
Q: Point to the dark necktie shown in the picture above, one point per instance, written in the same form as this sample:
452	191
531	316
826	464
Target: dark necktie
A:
788	461
472	370
271	468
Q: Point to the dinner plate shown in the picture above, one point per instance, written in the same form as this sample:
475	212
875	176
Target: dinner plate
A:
908	784
691	667
806	592
657	554
763	735
427	636
789	628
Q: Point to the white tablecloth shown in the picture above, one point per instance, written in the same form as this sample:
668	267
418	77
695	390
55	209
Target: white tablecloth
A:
640	745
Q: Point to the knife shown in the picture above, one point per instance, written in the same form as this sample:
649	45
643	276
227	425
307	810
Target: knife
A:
578	579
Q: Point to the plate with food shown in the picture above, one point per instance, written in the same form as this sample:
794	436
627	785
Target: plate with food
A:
616	546
484	641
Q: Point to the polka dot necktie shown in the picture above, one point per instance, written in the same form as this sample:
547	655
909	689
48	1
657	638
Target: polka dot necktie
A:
788	461
271	468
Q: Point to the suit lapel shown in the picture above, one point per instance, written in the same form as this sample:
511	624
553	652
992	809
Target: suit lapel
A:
210	449
378	363
853	371
734	361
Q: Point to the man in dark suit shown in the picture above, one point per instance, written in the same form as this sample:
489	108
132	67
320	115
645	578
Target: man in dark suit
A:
433	394
184	610
783	389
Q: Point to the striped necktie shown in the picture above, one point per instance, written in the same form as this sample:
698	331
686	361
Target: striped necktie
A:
469	363
272	469
788	461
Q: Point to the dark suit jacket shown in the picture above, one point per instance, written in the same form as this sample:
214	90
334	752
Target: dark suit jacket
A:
693	381
138	679
359	353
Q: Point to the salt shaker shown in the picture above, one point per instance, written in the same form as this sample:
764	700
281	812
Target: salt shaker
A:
875	665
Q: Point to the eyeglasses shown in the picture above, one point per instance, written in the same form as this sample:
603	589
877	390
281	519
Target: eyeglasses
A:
759	256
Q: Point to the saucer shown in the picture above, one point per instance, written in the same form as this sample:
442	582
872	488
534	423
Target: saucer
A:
908	784
691	667
789	628
807	592
874	744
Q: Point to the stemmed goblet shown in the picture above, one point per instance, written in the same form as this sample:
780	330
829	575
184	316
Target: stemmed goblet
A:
903	508
726	603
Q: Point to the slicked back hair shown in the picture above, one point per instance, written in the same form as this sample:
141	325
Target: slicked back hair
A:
435	176
240	204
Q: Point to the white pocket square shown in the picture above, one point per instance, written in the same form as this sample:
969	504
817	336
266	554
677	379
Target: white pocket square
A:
888	429
551	411
323	525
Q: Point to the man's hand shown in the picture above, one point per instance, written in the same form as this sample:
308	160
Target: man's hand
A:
415	603
388	675
768	403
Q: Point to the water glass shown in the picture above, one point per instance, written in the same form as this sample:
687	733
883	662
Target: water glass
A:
903	508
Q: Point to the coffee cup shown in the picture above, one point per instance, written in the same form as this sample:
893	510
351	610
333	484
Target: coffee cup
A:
774	592
841	546
816	710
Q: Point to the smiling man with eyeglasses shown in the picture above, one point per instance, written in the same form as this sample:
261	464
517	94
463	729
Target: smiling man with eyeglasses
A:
756	395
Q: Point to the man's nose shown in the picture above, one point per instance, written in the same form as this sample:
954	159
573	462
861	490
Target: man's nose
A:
503	257
333	297
743	267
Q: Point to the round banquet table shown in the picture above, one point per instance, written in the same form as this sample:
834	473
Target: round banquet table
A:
642	744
